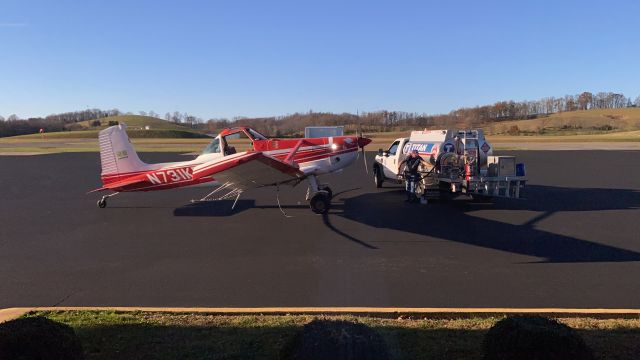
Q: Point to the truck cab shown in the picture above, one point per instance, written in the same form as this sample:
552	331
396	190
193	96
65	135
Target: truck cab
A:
387	161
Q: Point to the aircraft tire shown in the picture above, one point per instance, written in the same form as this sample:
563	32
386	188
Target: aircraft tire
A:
102	203
320	202
328	190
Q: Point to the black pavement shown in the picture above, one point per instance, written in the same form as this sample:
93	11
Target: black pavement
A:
574	243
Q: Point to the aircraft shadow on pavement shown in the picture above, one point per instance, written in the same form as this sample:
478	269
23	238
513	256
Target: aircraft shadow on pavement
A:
449	220
214	208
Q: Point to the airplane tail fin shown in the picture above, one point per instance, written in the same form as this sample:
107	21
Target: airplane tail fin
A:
117	155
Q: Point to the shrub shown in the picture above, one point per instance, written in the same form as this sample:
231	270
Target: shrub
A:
336	340
513	130
533	337
603	127
95	123
113	122
38	338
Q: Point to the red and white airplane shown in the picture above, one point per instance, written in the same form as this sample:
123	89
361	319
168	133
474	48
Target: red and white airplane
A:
269	162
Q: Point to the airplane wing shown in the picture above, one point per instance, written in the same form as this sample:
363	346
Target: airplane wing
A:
249	170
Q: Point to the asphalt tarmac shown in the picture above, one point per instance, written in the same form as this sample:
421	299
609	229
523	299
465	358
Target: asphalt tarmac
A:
575	242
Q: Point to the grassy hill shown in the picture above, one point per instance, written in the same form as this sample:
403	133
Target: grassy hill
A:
132	121
134	134
572	122
136	128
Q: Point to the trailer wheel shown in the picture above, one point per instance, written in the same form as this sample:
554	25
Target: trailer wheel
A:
377	177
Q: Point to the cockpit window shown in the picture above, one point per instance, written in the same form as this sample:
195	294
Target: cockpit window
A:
238	141
256	135
213	147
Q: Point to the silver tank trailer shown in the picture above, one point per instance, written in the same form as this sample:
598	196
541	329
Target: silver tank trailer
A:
432	145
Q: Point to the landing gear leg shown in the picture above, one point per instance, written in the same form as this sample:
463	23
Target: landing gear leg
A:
102	203
321	196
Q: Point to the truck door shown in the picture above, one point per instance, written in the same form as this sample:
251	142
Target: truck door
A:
390	160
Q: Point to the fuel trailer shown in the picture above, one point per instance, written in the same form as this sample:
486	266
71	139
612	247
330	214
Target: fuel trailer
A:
459	162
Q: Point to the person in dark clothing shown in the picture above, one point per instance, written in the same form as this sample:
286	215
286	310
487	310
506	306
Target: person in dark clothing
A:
412	165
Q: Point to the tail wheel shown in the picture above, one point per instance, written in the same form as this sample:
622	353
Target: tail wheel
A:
377	177
320	202
102	203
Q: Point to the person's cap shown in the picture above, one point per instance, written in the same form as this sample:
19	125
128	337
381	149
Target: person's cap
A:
414	151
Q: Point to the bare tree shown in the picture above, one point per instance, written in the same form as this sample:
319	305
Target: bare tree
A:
142	113
167	116
176	117
585	100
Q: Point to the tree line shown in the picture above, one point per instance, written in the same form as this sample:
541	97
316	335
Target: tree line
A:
294	124
384	120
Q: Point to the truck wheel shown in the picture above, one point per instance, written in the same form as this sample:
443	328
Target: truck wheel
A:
320	203
377	177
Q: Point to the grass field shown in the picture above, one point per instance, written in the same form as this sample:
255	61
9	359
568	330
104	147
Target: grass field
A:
383	140
125	335
59	143
563	129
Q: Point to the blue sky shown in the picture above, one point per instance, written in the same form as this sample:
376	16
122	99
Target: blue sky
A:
262	58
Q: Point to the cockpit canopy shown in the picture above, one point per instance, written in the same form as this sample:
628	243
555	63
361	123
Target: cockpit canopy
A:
213	147
228	139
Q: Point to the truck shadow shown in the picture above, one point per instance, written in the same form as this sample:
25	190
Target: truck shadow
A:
451	220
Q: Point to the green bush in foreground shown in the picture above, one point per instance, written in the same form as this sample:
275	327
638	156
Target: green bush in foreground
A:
34	338
336	340
533	338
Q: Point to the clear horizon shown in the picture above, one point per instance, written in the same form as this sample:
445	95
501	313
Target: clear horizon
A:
255	59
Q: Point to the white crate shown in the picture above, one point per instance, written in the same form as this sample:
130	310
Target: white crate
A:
502	165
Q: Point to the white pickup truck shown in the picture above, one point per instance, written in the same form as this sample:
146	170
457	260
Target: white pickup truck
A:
460	161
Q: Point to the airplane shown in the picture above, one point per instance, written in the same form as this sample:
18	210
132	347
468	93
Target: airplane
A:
268	162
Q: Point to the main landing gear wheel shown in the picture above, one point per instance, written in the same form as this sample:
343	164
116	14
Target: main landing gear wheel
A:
327	190
102	203
320	202
377	177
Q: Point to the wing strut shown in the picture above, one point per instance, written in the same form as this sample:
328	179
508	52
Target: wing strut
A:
294	150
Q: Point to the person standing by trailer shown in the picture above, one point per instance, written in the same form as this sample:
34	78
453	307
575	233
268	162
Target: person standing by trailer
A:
412	165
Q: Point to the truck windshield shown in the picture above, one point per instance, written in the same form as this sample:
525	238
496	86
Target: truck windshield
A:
213	147
394	148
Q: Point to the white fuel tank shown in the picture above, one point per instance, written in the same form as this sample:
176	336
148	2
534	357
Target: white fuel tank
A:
433	143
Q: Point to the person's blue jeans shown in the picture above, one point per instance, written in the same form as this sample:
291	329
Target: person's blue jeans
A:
410	184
